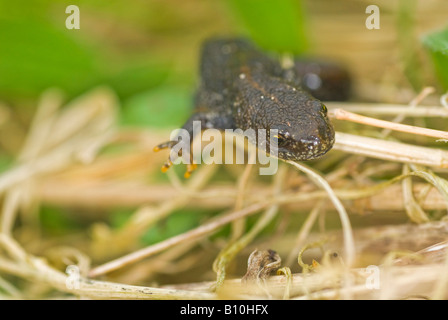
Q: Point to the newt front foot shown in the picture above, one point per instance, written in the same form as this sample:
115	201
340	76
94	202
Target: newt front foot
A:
168	164
190	168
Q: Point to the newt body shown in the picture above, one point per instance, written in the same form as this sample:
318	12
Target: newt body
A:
242	87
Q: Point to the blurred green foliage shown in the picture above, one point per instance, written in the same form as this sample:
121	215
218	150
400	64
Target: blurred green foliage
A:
124	45
408	43
5	161
144	109
175	224
274	25
437	44
34	54
38	52
57	221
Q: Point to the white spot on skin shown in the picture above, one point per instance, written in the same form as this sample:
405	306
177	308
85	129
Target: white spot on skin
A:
242	76
262	97
272	98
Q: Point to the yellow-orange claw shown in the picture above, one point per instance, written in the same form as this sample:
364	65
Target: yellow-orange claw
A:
190	169
156	149
166	166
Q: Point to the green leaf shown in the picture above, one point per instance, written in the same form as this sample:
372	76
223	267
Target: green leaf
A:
37	51
437	44
175	224
57	221
137	77
119	217
35	55
407	41
274	25
161	107
5	162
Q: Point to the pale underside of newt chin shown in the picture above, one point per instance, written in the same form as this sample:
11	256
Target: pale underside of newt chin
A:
242	87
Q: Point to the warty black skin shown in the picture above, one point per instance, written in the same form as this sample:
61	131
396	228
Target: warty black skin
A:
241	87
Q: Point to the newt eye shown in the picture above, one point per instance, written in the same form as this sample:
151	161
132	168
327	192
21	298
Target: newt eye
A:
280	139
319	107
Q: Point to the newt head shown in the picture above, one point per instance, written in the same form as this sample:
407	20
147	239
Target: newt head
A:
269	102
304	131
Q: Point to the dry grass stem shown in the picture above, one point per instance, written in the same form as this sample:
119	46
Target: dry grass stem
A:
380	109
341	114
349	245
369	180
391	150
204	229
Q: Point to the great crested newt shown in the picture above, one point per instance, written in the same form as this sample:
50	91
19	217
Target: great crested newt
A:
243	87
